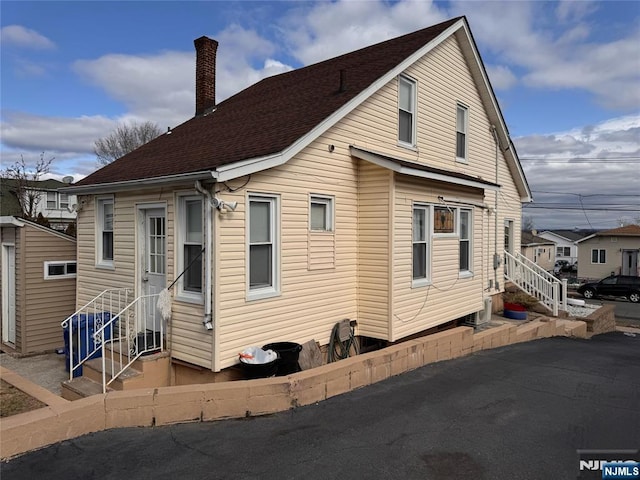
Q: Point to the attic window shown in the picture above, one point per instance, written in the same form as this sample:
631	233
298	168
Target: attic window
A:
406	111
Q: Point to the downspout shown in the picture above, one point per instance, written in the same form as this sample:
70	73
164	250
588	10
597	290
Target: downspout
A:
208	304
496	257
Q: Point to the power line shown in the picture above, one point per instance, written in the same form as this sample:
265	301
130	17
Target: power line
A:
589	194
578	207
600	159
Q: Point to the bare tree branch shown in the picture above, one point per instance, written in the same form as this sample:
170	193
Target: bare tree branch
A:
124	139
25	179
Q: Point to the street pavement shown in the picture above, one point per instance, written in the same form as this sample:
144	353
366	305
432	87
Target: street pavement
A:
516	412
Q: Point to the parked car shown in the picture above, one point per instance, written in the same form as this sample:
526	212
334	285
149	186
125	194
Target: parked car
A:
615	285
560	266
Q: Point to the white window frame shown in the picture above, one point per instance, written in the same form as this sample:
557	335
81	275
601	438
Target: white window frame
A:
65	263
63	200
54	195
469	271
328	202
420	282
413	100
273	200
602	252
100	203
460	107
182	294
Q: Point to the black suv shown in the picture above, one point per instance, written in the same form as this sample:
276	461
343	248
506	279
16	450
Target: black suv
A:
615	285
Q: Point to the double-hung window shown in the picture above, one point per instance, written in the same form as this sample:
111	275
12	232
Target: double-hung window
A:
52	201
465	240
420	245
104	235
321	213
406	111
461	133
191	241
598	255
262	246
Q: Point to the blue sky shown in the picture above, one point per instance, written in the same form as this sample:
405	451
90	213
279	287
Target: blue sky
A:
567	76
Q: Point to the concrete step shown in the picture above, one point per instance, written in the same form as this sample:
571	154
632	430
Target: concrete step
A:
92	369
81	387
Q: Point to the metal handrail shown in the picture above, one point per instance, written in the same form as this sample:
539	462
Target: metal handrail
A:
133	341
96	314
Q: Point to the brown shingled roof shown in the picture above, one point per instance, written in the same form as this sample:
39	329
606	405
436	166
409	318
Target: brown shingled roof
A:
266	117
627	230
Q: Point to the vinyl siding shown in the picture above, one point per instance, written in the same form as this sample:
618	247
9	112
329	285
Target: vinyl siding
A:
311	299
596	271
52	300
374	189
448	296
188	339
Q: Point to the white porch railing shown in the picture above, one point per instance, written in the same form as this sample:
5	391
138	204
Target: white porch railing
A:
80	327
536	281
140	329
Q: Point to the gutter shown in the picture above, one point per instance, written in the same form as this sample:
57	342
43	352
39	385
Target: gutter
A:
208	304
111	187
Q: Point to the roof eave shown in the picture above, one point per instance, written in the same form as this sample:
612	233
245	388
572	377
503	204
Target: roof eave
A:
98	188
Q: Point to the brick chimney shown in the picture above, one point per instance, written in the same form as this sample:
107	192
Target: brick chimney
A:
205	74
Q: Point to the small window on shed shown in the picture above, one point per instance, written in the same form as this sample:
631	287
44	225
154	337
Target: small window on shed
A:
54	270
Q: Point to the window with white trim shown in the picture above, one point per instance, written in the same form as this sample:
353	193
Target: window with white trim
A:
263	251
189	251
104	235
598	255
461	132
420	244
563	251
465	230
406	110
321	213
56	269
57	200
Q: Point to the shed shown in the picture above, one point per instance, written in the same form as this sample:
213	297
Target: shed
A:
38	284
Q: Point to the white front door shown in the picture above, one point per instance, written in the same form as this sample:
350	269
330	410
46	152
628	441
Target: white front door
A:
9	294
154	263
630	262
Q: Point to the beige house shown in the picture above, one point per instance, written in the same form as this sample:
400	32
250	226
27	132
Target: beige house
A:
375	186
611	252
38	267
539	250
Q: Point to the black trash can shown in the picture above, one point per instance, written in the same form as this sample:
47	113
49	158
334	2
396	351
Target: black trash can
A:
288	353
260	370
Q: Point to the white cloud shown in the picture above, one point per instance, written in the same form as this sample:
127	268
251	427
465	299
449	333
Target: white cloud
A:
560	55
328	29
501	77
25	37
609	153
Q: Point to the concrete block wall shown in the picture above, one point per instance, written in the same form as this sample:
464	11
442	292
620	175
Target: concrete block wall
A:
63	420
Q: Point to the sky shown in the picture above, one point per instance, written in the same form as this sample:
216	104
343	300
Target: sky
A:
566	75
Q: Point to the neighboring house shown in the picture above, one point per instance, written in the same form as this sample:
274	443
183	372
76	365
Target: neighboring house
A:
610	252
566	248
57	207
539	250
38	283
370	186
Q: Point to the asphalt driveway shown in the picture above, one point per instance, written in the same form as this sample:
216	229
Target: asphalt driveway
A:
517	412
